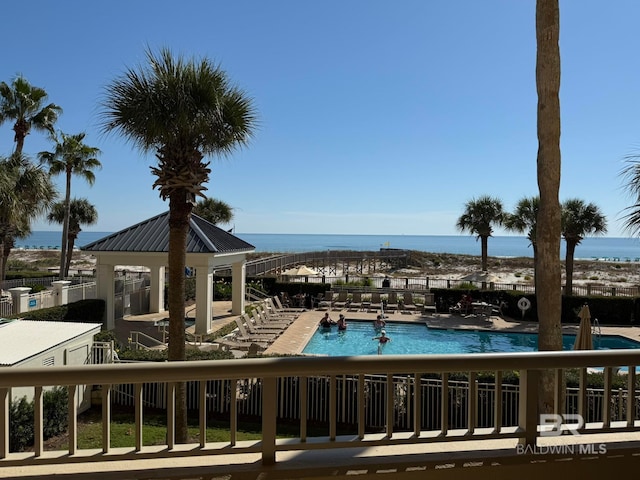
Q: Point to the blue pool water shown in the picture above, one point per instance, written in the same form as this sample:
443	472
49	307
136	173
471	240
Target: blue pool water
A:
409	339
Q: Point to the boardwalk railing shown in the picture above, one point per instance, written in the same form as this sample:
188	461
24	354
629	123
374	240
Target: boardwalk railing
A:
225	383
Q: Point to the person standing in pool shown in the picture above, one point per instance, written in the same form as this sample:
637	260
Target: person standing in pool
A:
379	323
342	323
326	322
382	340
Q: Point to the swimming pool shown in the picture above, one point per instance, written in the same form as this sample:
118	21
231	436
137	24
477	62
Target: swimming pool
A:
409	339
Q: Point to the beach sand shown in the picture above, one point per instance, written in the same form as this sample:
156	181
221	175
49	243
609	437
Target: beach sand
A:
434	265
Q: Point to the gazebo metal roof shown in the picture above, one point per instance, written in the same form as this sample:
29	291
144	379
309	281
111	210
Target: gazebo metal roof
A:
152	235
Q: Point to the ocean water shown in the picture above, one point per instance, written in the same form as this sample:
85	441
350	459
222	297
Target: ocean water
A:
610	248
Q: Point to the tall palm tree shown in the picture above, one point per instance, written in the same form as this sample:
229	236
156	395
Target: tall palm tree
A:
182	110
26	192
579	220
80	212
631	177
24	104
214	211
548	281
524	219
479	217
71	157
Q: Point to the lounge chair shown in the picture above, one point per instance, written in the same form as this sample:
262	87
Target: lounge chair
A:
376	302
327	301
282	307
272	312
255	329
392	302
268	315
407	303
245	335
342	300
261	322
356	302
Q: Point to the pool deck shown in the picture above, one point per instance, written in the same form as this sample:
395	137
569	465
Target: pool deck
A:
298	334
293	340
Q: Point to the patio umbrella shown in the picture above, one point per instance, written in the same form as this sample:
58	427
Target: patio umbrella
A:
583	339
302	270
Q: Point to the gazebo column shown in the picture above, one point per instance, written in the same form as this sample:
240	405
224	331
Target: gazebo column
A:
238	280
106	292
204	297
156	294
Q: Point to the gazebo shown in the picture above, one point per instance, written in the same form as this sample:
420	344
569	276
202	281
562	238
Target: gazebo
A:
147	244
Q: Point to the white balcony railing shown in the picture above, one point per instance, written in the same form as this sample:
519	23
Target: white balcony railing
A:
269	372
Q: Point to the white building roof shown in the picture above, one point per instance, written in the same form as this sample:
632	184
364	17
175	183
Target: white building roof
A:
23	339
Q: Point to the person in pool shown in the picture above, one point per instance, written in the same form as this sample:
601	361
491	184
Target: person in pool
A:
342	323
379	323
326	321
382	340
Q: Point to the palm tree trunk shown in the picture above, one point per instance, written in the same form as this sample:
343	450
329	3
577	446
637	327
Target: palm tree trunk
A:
484	241
65	228
568	265
71	243
179	213
548	284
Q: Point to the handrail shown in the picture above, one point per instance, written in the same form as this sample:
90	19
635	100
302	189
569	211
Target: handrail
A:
270	371
135	340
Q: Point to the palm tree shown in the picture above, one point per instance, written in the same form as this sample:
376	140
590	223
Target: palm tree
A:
25	105
578	220
26	192
80	212
214	211
71	157
182	110
631	177
524	220
548	281
479	217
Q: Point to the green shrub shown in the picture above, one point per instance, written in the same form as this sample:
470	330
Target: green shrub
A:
90	311
21	418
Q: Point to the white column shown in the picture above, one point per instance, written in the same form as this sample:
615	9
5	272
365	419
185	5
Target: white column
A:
156	294
20	299
238	281
106	291
60	292
204	297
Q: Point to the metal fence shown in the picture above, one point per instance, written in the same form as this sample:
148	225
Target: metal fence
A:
455	404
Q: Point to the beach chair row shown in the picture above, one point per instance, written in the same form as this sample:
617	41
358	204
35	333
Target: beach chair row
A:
405	302
259	329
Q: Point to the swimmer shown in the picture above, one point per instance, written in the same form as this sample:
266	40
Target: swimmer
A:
342	323
326	321
379	323
382	340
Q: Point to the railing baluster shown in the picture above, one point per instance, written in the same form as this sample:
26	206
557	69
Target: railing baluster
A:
361	406
106	418
139	414
302	381
497	402
631	395
269	393
202	410
606	404
389	403
558	391
73	419
582	394
333	398
171	415
233	411
4	422
38	415
444	404
417	404
472	404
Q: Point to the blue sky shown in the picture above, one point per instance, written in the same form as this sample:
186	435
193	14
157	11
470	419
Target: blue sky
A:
376	117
